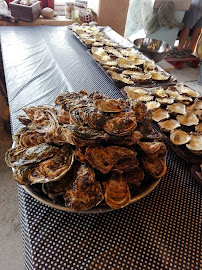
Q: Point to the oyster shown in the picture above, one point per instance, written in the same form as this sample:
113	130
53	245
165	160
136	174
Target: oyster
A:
160	76
113	51
53	168
165	100
198	128
134	177
121	78
169	125
111	105
153	149
155	167
184	99
140	77
176	108
140	110
105	158
20	174
195	144
134	92
129	72
159	92
84	192
159	114
143	98
188	119
152	105
187	90
63	116
19	156
149	65
43	117
122	125
179	137
31	138
82	136
126	140
71	99
172	93
116	192
57	188
24	120
125	63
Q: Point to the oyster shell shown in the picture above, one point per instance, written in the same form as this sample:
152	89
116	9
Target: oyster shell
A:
57	188
149	65
152	105
198	128
126	140
188	119
140	110
133	92
19	156
63	116
199	114
159	115
84	192
20	174
179	137
165	100
177	108
140	76
169	125
82	135
195	144
105	158
53	168
111	105
134	177
155	167
116	192
44	117
153	149
122	125
159	92
31	138
71	99
187	90
160	76
121	78
184	99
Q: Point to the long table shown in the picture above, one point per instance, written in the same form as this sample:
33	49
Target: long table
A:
160	231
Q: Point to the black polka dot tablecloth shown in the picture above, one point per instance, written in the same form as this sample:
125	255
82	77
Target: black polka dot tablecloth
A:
160	231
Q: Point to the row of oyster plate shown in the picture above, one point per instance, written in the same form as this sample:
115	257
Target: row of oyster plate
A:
178	103
87	150
126	66
177	109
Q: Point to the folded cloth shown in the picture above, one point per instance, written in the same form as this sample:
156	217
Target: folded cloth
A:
164	17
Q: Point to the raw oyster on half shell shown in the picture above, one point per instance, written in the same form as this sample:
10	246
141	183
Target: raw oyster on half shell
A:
169	125
195	144
179	137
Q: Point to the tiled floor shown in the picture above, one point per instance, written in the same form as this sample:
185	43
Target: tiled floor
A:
11	257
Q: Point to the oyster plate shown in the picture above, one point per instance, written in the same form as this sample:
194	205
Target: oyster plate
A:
101	208
108	32
181	150
89	158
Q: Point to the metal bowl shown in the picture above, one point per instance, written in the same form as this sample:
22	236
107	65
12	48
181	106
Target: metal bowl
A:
152	48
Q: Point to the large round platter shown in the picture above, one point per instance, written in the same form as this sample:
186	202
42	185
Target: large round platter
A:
99	209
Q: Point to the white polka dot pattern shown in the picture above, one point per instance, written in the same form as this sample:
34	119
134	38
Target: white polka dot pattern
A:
161	231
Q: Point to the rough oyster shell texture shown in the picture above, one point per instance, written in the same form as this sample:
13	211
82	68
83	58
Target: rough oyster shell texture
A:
176	110
86	150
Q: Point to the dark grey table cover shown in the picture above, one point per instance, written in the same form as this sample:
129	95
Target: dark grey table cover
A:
160	231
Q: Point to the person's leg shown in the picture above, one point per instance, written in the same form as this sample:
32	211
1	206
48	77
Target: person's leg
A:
191	44
183	38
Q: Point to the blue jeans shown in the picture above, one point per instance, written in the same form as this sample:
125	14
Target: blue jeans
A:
200	73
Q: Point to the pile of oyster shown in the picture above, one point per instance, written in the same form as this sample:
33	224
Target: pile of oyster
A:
87	149
177	110
92	36
127	66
